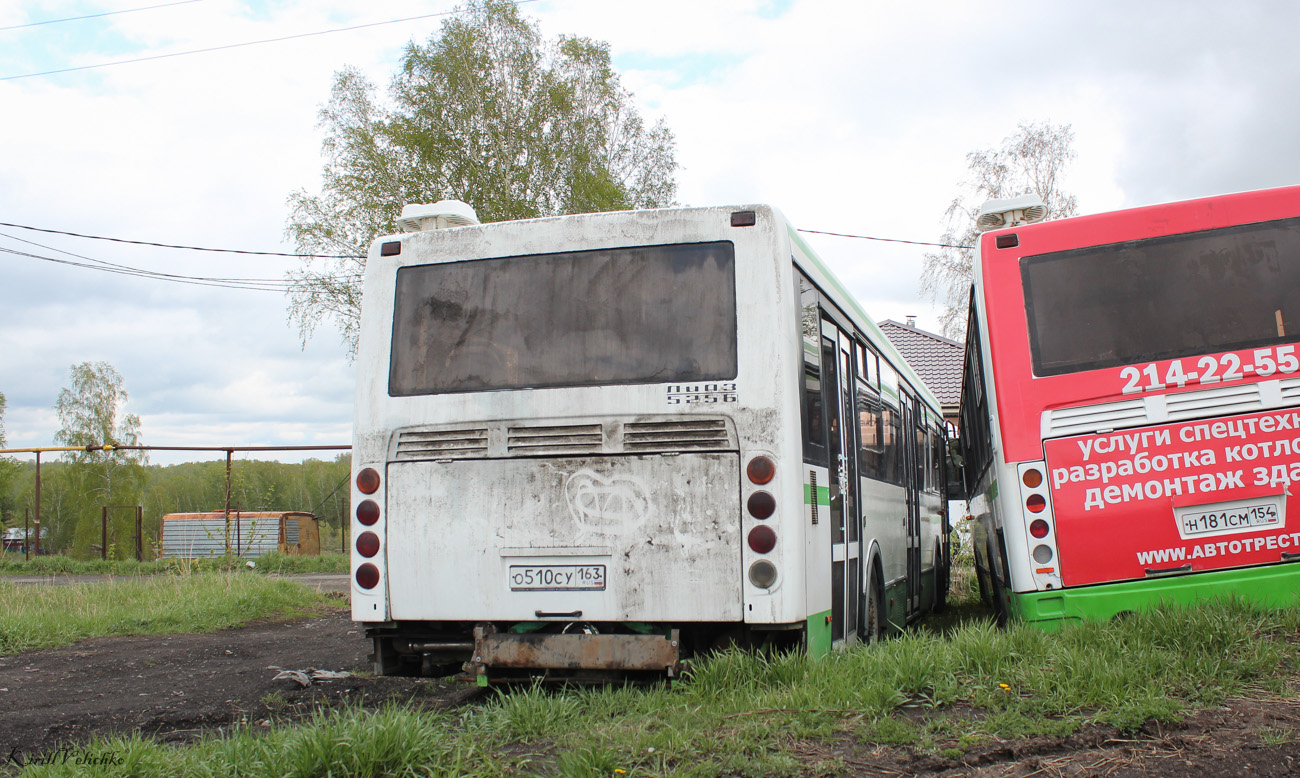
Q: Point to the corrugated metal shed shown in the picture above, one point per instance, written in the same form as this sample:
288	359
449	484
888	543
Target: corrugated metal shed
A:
252	534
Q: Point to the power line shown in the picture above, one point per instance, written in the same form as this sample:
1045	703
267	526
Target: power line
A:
886	240
94	16
239	45
173	246
258	285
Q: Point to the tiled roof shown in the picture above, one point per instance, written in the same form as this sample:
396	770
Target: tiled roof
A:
935	358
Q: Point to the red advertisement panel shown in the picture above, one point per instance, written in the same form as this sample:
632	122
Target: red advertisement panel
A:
1186	497
1023	397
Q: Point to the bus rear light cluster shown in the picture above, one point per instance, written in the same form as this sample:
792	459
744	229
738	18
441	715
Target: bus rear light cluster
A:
761	505
1039	523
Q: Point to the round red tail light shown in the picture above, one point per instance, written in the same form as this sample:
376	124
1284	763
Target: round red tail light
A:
368	512
368	481
1038	528
760	470
367	544
1036	503
761	505
1032	478
762	539
367	576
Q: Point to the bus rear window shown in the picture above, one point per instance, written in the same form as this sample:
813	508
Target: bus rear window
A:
649	314
1162	298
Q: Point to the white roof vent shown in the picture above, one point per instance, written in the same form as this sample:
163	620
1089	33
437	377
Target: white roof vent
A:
1010	212
418	217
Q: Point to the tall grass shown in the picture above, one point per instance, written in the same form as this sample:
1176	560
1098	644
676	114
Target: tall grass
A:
275	562
34	617
740	713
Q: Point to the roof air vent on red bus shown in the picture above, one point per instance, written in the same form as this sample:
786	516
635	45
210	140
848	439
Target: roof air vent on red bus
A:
1010	212
418	217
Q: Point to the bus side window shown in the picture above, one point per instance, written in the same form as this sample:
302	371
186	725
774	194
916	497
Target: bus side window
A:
814	423
937	454
871	434
891	425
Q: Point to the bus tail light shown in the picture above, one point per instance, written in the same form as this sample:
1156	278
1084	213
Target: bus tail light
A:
367	544
368	481
762	539
761	505
367	576
762	574
368	512
1039	524
760	470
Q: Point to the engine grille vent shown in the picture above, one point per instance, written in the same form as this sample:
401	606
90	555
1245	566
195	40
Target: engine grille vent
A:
565	439
692	435
1228	399
1161	409
442	444
1071	421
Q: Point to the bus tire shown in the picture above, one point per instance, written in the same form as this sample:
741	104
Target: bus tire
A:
873	619
999	592
942	579
984	579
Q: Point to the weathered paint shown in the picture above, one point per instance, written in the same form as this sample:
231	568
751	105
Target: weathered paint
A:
666	530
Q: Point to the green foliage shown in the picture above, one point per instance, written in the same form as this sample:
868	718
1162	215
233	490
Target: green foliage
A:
92	415
43	617
485	111
273	563
9	471
740	713
317	486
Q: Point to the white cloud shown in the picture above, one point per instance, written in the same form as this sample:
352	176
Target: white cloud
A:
850	116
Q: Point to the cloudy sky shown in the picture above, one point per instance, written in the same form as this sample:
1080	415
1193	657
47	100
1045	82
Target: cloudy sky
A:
852	116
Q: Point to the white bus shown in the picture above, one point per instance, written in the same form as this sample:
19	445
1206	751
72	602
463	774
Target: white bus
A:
603	443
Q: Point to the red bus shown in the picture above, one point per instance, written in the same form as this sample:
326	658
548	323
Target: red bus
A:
1130	418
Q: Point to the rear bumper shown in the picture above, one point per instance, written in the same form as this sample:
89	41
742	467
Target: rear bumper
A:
1272	586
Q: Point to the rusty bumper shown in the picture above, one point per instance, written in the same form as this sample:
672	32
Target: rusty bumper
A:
539	651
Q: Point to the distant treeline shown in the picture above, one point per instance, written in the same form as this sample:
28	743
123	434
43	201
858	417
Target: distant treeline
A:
71	513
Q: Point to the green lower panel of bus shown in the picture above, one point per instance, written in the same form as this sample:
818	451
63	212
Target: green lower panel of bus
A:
1274	586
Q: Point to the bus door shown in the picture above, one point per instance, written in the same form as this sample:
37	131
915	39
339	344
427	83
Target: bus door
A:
837	399
912	471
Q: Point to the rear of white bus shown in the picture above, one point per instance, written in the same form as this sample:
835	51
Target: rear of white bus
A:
554	424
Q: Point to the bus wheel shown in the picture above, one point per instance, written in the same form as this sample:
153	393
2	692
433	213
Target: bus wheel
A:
942	580
871	625
984	579
999	592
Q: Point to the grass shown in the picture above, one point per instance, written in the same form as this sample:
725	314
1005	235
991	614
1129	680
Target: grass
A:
36	617
743	714
275	562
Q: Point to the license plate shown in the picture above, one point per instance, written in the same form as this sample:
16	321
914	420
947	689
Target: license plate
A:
1229	518
569	578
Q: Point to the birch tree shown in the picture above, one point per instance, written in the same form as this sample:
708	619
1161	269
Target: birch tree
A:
1032	161
486	111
